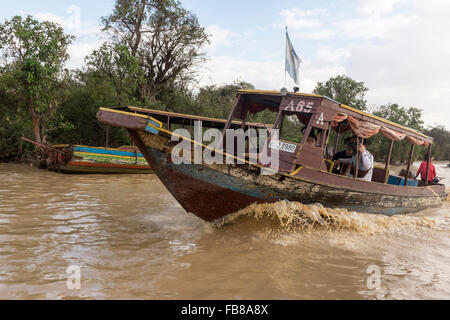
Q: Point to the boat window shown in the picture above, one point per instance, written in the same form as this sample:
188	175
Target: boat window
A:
265	116
291	129
318	135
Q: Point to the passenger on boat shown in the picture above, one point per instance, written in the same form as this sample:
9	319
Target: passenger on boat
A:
365	166
311	140
342	168
423	170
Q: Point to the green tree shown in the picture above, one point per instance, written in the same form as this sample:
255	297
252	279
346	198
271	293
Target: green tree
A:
86	93
441	146
34	54
409	117
166	39
344	90
115	64
14	122
217	101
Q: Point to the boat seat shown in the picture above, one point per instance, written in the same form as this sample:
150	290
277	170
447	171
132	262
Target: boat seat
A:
379	175
400	181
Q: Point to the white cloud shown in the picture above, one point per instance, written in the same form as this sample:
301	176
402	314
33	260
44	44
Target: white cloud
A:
226	69
377	7
322	34
330	55
220	36
78	53
71	24
299	19
300	13
410	66
375	27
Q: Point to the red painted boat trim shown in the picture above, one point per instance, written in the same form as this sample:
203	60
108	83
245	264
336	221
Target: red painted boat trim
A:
107	165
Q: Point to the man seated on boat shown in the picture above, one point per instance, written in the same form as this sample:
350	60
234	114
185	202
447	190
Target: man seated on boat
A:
344	154
423	171
365	166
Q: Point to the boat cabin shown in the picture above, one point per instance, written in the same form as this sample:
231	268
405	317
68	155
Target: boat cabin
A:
320	115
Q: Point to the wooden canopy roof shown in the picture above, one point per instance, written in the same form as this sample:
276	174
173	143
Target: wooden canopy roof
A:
272	100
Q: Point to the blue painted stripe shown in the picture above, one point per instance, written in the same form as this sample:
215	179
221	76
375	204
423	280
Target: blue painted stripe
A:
339	103
107	151
154	123
153	126
151	130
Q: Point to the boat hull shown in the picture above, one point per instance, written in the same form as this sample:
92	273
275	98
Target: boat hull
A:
214	191
94	160
100	168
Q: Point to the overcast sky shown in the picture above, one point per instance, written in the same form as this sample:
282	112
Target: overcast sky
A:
400	49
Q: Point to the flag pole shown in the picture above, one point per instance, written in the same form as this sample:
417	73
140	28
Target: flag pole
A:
285	45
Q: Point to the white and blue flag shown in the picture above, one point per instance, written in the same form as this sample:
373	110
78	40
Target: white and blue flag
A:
292	60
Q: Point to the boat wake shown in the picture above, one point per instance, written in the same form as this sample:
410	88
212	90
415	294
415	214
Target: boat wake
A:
295	216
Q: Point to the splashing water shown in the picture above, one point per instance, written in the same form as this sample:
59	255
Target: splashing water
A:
295	216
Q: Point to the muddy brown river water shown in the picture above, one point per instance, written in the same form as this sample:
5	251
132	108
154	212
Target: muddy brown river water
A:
130	239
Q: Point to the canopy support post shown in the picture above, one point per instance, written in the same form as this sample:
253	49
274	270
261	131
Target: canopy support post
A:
411	153
277	124
107	137
231	116
428	164
278	120
388	161
338	135
307	133
355	175
244	115
228	124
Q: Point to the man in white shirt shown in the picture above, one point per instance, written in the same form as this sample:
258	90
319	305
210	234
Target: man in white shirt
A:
365	163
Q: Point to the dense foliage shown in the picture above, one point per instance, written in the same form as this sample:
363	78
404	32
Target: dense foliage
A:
33	57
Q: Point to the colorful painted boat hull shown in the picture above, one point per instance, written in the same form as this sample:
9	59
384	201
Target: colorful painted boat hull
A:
94	160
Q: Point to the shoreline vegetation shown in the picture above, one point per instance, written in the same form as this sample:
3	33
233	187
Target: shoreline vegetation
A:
150	62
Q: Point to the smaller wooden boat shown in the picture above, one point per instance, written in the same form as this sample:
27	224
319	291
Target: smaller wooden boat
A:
86	159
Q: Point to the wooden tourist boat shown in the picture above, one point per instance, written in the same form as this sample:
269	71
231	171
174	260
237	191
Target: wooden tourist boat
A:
96	160
212	191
